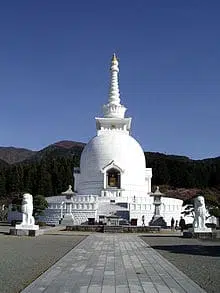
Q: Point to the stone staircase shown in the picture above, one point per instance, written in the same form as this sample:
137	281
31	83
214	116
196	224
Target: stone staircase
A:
112	229
76	218
109	208
80	218
68	220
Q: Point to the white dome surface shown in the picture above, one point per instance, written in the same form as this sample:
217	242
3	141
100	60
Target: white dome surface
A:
101	150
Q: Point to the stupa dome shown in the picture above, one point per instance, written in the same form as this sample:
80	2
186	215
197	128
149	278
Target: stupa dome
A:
116	148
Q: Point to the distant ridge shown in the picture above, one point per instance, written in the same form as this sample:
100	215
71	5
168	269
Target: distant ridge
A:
50	170
13	155
68	144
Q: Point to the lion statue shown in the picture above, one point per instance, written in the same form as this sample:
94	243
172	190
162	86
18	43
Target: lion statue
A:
27	209
200	213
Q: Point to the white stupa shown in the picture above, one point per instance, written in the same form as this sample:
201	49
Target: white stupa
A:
113	163
112	178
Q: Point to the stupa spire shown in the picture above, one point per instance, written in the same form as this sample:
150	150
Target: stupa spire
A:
114	109
114	94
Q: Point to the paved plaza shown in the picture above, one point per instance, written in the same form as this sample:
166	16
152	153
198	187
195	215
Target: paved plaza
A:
104	263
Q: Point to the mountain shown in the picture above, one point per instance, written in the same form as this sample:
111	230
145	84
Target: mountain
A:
65	149
69	144
3	164
13	155
49	171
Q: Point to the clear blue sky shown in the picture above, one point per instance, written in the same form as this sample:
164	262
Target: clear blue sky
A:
54	71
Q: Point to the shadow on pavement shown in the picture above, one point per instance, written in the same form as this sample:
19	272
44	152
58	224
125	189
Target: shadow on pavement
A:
190	249
158	235
60	234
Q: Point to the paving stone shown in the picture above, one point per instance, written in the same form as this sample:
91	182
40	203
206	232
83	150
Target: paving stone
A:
108	289
113	263
148	287
122	289
135	289
94	289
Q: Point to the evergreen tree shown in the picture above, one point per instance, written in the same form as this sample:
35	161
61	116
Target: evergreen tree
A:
44	180
14	179
39	205
2	183
30	178
55	177
52	172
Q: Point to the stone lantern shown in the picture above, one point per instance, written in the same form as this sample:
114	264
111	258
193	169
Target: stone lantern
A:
68	216
157	202
157	219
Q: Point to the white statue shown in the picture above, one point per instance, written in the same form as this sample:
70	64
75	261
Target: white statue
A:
200	214
27	209
69	190
28	221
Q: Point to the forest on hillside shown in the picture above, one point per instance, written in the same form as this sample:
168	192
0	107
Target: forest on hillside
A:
181	172
51	172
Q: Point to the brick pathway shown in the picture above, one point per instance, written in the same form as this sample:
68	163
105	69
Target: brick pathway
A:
106	263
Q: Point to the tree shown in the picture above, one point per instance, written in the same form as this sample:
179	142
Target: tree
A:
2	184
183	193
14	179
66	172
30	178
17	201
39	205
212	203
45	181
161	172
189	208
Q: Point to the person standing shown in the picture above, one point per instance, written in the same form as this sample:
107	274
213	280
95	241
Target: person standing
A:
176	225
182	224
143	224
172	224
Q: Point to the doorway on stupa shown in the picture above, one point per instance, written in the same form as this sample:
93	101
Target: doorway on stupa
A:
113	178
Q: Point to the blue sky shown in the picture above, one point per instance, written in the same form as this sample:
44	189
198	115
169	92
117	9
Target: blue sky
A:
54	71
